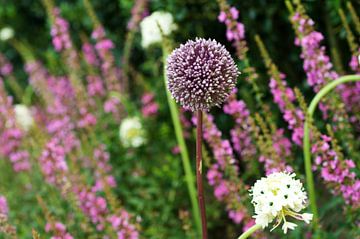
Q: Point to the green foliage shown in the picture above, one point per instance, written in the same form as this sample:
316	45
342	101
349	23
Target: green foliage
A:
151	182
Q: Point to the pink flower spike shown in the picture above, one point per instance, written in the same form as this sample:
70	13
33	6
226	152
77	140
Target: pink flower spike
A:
222	16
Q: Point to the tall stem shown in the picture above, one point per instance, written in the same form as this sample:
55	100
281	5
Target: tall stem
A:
249	231
189	174
199	181
306	140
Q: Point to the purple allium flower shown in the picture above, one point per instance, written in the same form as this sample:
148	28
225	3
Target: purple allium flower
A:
201	74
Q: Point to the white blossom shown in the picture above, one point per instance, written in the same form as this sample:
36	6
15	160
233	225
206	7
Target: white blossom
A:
288	225
278	196
23	117
307	217
132	133
6	33
150	31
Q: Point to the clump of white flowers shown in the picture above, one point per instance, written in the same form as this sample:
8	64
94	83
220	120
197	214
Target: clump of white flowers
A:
132	133
23	117
150	31
6	33
278	196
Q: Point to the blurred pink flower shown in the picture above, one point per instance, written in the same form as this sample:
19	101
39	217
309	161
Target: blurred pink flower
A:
3	205
149	106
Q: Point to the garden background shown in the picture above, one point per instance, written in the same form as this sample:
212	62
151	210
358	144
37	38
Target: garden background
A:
145	185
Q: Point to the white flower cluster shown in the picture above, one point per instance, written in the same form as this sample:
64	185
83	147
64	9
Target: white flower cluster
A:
23	117
277	196
150	31
132	133
6	33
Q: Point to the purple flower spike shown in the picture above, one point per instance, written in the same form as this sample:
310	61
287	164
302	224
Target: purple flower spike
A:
201	74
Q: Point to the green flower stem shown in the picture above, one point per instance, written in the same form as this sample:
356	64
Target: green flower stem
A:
306	141
15	87
250	231
189	176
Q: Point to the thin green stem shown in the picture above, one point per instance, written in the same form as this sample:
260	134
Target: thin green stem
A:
289	6
16	88
306	140
189	176
250	231
309	176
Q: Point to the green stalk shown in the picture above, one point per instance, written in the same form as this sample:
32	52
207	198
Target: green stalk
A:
250	231
306	141
189	176
15	87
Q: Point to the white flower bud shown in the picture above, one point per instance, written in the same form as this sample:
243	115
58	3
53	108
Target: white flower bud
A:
6	33
150	31
23	117
132	133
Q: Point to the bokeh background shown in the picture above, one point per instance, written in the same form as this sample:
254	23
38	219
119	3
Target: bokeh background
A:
150	179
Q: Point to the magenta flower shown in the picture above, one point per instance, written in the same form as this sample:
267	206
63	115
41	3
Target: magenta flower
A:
121	224
6	67
282	147
337	173
235	31
241	133
138	12
90	54
355	62
60	32
11	135
53	163
149	106
3	205
95	86
222	175
58	230
102	169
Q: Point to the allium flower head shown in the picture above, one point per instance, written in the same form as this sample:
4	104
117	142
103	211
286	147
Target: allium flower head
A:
23	117
6	33
201	74
150	31
279	195
132	133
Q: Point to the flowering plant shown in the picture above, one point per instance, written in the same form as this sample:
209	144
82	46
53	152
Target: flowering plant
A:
101	101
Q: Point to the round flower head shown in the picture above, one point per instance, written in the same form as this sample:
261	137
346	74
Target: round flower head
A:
277	196
201	74
6	33
150	31
23	117
132	133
